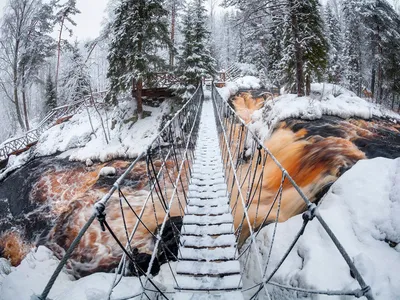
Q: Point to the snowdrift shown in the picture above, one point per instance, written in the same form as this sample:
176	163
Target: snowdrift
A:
362	209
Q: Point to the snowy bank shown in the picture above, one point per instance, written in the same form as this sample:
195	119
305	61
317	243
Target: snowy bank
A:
127	139
362	209
325	99
32	275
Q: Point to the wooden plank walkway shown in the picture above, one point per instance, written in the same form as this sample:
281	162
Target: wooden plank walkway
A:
208	267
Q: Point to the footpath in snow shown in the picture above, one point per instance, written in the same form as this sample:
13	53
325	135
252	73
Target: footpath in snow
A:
207	255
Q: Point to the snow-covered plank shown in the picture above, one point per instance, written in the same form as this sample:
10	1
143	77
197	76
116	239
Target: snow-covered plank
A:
208	181
204	267
227	240
207	210
210	202
207	230
223	295
230	282
218	254
204	188
207	194
207	220
208	174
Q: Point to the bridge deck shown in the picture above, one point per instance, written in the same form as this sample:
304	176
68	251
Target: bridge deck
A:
208	267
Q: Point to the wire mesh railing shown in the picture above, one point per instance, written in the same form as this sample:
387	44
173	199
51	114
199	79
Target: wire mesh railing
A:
260	190
142	217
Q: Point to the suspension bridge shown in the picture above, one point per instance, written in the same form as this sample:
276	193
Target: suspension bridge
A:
215	188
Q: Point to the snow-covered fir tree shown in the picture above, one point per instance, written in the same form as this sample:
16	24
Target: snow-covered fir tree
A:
313	44
75	78
195	60
382	25
303	57
353	39
275	44
334	38
140	28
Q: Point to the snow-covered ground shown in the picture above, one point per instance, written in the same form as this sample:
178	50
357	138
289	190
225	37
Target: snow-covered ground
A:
362	208
127	140
32	275
79	140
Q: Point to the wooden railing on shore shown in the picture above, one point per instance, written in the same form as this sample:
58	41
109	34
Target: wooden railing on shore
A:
22	143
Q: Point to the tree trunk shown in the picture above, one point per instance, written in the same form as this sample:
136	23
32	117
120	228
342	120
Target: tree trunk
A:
25	107
59	53
298	53
379	98
173	20
373	71
308	85
139	88
15	85
393	98
380	71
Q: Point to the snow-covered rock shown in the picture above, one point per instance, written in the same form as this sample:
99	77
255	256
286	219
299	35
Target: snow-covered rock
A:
89	162
362	209
108	171
15	162
248	82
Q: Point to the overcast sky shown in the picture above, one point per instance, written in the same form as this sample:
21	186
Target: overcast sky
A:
88	22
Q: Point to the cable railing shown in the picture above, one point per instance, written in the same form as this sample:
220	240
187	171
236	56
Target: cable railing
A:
21	143
142	216
130	216
260	190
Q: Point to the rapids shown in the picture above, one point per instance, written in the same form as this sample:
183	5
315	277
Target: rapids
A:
48	200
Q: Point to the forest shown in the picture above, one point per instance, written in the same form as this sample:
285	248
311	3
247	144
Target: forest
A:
288	44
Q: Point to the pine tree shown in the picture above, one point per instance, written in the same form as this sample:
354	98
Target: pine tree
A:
333	34
195	61
75	80
352	46
140	28
314	47
51	95
287	64
302	55
382	25
275	47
